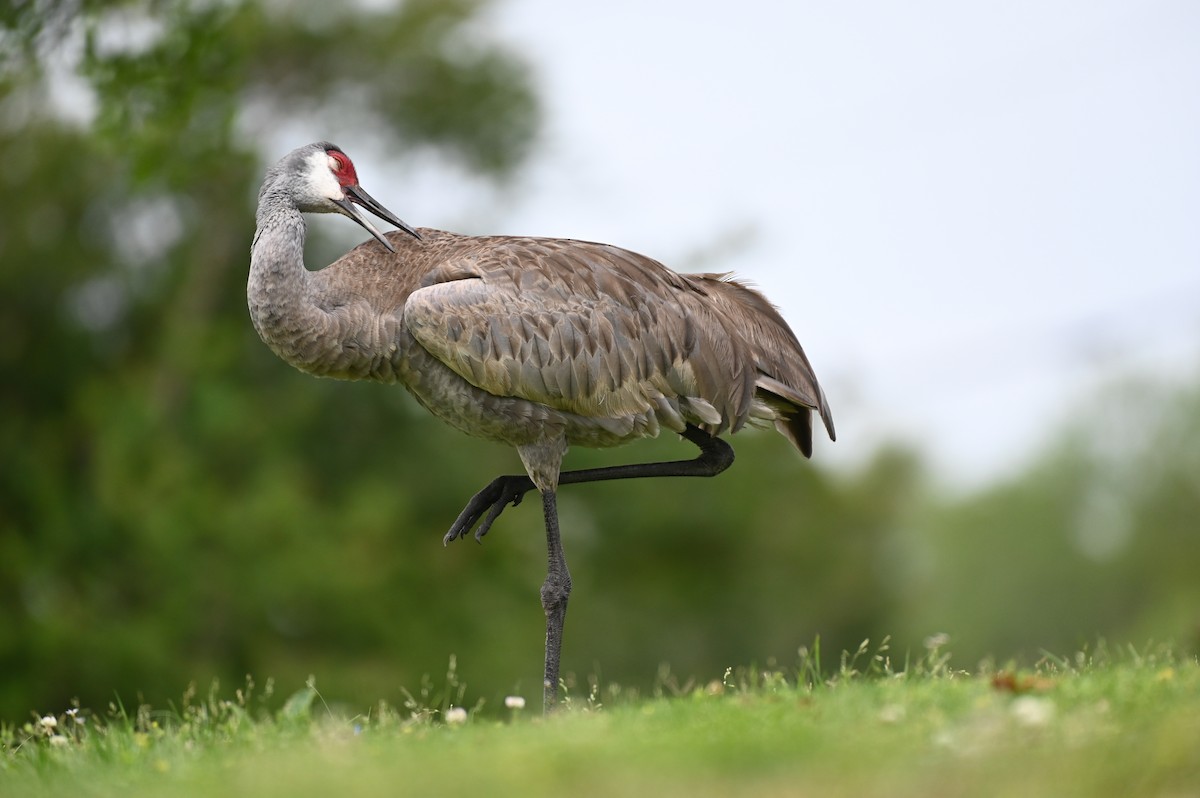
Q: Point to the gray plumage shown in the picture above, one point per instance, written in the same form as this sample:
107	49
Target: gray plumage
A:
535	342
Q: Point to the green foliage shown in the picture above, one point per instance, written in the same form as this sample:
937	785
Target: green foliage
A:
175	504
1097	538
1096	724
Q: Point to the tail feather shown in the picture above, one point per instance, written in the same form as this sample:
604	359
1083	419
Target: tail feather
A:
795	412
785	379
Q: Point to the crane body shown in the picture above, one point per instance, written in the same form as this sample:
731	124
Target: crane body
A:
538	343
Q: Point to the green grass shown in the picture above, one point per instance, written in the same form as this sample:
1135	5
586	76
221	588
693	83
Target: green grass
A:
1094	725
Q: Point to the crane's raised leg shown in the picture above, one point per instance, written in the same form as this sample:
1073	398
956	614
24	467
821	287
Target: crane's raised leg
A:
555	592
715	456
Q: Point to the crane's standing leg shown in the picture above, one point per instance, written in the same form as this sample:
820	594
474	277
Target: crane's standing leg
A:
555	592
543	461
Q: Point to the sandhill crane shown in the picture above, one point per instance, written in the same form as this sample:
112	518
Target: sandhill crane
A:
535	342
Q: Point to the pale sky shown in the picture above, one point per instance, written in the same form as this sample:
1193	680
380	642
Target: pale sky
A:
972	214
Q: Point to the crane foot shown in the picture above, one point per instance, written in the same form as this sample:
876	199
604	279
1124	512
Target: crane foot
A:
499	493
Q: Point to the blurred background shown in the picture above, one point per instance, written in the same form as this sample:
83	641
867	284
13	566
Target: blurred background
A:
981	223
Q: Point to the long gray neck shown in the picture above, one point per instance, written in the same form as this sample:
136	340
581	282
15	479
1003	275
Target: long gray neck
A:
278	290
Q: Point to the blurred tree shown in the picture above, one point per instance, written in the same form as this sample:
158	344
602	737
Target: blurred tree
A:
1097	539
169	499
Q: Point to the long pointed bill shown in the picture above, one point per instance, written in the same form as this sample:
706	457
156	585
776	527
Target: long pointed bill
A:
355	196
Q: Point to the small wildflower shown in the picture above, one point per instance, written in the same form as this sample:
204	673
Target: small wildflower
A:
58	740
49	722
514	702
73	714
1032	711
456	716
937	641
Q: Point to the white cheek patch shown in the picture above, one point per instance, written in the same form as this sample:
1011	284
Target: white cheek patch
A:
321	180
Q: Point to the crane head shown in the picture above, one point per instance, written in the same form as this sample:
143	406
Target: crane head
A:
331	185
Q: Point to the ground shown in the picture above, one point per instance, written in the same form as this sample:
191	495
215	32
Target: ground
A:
1126	725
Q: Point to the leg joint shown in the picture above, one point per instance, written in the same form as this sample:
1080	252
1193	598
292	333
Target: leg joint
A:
715	454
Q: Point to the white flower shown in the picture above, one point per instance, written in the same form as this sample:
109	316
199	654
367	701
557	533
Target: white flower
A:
49	722
456	715
514	702
58	740
937	641
1033	711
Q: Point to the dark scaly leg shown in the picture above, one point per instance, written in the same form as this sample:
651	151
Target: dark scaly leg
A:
555	592
715	456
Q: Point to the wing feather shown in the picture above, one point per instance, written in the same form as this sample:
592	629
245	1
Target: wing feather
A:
611	335
586	328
